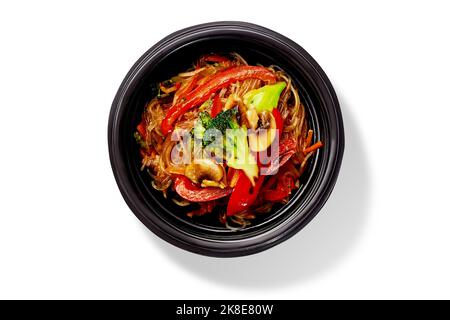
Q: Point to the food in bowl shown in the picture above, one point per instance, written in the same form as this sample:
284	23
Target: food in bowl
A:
227	138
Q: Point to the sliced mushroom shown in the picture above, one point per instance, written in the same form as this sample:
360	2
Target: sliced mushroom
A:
204	170
209	183
252	117
263	137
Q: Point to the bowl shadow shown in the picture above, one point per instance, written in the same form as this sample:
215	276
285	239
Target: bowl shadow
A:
325	242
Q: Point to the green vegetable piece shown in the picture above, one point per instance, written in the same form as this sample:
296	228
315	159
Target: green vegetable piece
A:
238	153
223	121
264	98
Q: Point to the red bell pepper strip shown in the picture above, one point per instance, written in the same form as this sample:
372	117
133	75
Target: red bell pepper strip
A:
244	194
262	158
216	82
216	107
287	149
287	145
185	89
280	185
278	120
210	58
214	58
230	174
142	131
275	195
189	191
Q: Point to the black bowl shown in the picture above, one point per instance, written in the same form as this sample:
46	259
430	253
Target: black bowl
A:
176	53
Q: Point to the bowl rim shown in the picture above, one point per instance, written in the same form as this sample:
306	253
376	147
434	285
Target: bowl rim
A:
210	247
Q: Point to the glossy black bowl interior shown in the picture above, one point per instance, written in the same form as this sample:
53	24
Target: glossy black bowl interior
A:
176	53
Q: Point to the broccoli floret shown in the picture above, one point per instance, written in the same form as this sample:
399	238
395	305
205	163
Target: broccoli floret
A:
223	121
205	119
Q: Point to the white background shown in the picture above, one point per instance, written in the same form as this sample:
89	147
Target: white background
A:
65	231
